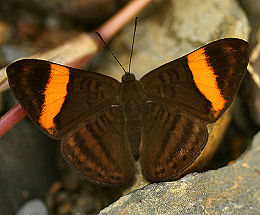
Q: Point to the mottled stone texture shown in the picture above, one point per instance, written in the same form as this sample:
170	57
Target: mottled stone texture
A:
234	189
170	29
27	166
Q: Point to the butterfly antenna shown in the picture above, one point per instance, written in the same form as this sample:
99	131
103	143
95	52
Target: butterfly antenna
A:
100	37
131	54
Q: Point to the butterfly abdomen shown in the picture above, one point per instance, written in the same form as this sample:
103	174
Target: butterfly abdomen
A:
132	100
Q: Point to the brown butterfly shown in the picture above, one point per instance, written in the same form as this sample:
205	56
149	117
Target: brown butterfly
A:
104	125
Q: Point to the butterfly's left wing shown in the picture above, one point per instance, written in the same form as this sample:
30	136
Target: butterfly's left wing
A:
203	82
172	140
183	96
99	149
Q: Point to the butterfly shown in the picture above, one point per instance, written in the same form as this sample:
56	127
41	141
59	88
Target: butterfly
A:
105	126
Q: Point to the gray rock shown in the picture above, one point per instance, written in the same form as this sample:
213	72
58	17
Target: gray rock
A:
234	189
252	8
12	53
27	165
171	29
33	207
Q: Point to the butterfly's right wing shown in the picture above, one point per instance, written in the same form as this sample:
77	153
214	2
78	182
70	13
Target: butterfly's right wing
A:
57	97
81	108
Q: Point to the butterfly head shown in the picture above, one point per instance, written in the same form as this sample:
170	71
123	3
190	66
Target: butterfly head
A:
128	77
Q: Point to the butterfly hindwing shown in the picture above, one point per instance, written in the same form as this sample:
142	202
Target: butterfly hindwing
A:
172	140
203	82
58	97
99	149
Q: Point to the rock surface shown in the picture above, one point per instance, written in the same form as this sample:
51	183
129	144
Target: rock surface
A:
234	189
170	29
27	168
33	207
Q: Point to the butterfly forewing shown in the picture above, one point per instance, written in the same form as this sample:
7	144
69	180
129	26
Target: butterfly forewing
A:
203	82
171	141
58	97
99	149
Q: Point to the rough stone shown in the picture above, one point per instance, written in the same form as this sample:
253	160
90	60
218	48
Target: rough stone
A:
234	189
33	207
172	29
27	165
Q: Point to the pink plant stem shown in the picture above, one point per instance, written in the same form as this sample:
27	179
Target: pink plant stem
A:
13	116
121	18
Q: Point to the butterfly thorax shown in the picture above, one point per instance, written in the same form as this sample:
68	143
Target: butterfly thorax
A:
131	97
132	100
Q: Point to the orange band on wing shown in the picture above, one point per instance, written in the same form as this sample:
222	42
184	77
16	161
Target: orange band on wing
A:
205	78
55	92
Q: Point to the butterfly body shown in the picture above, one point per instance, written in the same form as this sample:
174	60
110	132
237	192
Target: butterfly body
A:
105	125
132	101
